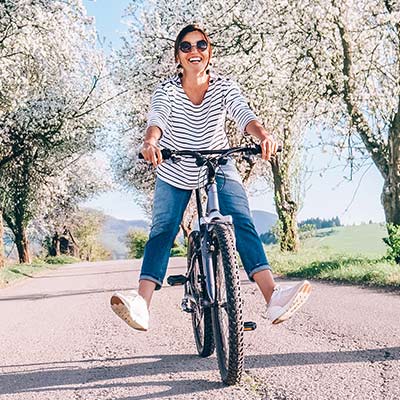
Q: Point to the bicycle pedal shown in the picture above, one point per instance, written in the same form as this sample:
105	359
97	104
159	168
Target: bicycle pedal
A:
250	326
186	305
176	280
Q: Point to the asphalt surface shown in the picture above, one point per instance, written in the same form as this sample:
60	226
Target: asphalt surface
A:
59	339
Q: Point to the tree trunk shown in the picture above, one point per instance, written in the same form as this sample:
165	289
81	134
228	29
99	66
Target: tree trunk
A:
55	245
391	188
186	229
2	258
286	208
189	218
20	237
22	243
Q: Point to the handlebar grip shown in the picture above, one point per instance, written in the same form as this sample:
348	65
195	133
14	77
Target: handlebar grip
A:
165	153
257	149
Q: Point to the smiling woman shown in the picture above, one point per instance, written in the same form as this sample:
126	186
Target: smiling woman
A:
188	112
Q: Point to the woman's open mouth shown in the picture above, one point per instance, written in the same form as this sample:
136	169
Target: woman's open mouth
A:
194	59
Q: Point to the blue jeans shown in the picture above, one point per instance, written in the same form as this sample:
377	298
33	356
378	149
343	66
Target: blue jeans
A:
168	208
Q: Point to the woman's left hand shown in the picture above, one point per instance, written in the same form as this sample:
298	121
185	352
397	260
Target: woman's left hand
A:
269	147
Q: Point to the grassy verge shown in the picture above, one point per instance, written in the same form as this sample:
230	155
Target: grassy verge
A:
12	273
327	264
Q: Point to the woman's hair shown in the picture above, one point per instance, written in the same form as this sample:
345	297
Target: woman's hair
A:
187	29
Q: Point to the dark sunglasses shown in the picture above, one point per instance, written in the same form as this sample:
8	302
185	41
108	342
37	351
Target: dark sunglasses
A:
186	47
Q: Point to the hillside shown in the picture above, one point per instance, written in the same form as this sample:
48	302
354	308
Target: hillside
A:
114	233
263	220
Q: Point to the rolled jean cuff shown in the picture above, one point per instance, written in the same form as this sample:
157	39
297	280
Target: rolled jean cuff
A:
259	268
152	279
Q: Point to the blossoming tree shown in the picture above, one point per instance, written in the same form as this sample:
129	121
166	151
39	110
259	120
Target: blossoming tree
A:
52	104
247	46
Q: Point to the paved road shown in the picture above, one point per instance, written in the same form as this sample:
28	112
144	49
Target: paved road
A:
60	340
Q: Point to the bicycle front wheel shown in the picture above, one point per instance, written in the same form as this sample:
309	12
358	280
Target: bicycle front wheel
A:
201	316
227	314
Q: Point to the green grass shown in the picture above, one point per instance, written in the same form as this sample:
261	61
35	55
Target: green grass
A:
347	254
12	273
365	240
62	259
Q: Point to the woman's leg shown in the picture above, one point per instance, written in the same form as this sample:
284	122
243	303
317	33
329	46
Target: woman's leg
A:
146	290
168	208
265	282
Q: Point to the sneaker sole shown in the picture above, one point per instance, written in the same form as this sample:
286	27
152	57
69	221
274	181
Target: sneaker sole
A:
124	314
297	302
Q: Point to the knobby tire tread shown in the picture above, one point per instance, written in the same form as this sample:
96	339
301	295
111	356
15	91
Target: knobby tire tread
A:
226	243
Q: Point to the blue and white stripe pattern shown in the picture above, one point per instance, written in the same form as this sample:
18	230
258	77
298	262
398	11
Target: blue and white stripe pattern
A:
186	126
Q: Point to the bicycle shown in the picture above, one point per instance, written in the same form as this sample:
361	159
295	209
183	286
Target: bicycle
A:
211	283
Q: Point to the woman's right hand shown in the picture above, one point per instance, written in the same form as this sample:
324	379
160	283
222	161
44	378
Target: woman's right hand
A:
151	153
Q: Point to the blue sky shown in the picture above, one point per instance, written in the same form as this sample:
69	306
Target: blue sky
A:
327	196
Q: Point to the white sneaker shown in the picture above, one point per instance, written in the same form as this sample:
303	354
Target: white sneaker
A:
285	302
132	308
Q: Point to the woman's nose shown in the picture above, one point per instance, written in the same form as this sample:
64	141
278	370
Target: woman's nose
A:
194	49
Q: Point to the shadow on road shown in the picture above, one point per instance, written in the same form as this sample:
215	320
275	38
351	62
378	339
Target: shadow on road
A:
81	375
128	270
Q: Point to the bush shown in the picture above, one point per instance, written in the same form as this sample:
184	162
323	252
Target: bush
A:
268	238
307	231
63	259
178	250
393	242
136	240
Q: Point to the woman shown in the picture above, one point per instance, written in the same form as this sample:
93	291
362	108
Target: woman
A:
188	112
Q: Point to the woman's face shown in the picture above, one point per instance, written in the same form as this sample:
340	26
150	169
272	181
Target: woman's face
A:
194	55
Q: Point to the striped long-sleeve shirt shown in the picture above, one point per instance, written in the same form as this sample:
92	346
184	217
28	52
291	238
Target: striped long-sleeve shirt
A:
186	126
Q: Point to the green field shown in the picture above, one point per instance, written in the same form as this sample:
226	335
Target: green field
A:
348	254
363	240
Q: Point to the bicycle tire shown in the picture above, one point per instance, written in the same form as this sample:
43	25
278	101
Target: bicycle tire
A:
227	314
201	317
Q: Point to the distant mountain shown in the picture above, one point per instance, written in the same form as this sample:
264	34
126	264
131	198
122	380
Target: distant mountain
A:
263	220
114	233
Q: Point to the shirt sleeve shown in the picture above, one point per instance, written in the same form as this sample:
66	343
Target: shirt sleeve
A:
160	109
237	107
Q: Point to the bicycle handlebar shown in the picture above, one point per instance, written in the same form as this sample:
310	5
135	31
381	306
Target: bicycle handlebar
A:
168	153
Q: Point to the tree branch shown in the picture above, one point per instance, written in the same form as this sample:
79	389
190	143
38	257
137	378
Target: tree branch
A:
373	142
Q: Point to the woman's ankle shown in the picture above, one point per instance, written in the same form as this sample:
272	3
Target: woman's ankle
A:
146	290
